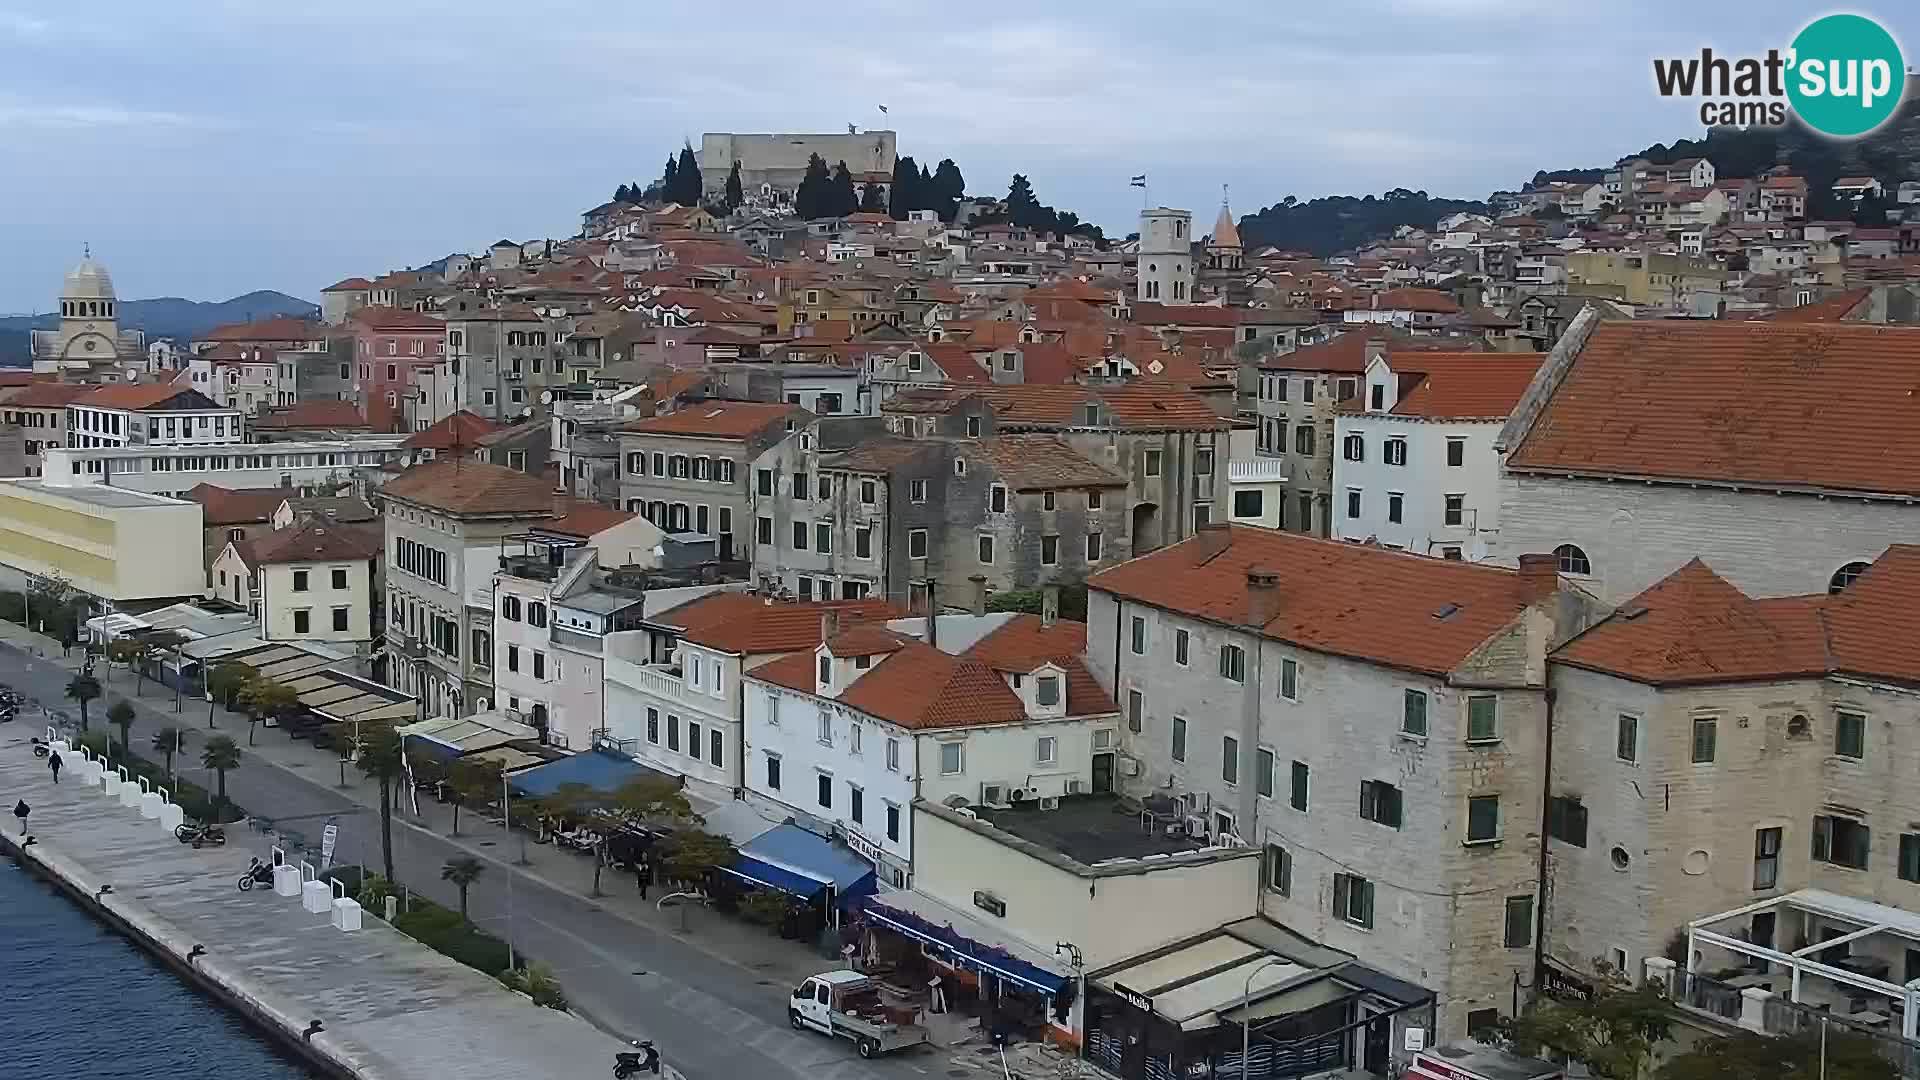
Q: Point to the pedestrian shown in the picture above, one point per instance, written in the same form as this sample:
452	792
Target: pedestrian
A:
21	810
53	762
643	874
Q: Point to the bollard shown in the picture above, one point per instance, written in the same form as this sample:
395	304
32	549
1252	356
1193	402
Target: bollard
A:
315	896
392	907
111	780
151	802
131	788
346	910
286	881
172	817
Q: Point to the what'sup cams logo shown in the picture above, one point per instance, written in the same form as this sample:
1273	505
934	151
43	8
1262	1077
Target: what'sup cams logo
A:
1843	76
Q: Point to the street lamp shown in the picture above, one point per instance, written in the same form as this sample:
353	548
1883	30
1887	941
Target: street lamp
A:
1246	1005
1080	978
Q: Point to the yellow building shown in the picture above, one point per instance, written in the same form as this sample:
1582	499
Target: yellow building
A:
111	543
1641	278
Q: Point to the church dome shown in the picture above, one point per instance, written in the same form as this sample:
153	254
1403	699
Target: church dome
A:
88	281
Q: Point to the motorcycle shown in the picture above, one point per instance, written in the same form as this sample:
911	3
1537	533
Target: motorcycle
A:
41	747
646	1060
198	835
258	873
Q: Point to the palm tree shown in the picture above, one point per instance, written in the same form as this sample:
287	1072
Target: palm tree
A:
223	682
220	754
122	716
83	688
265	699
471	781
380	758
167	742
462	872
122	651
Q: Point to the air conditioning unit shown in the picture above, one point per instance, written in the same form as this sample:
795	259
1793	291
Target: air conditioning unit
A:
1197	802
514	376
1050	803
994	794
1228	839
1197	827
1129	766
1076	787
1024	794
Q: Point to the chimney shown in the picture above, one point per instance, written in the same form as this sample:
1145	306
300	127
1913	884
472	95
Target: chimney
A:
979	593
1376	350
933	615
561	501
829	625
1263	595
1539	577
1049	605
1214	538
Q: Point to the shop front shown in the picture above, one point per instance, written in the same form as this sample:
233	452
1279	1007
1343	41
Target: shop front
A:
1017	990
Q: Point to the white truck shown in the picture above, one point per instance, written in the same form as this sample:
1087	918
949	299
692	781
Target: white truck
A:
846	1005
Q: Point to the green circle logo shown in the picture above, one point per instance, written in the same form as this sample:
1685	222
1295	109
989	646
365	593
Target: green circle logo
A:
1847	75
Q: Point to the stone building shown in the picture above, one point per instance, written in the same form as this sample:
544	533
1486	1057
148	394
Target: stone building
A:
687	471
1165	270
772	166
89	339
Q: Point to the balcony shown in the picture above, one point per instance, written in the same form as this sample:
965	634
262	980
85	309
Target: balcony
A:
529	567
1257	471
666	685
577	641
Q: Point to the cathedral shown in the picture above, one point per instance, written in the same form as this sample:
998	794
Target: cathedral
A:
89	339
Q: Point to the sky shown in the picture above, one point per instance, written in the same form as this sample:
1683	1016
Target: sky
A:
206	148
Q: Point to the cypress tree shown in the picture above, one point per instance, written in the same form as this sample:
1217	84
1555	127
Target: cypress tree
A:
810	200
669	180
690	188
948	188
873	199
905	196
841	198
735	196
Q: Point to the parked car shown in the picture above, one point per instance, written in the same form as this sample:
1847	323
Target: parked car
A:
846	1005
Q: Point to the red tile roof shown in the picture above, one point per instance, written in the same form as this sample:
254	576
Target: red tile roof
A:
1426	301
1346	353
1463	386
750	624
312	414
138	396
718	419
1040	463
235	506
1157	407
462	486
1825	405
277	328
459	429
586	520
1352	600
15	377
318	541
352	284
48	395
1834	308
392	318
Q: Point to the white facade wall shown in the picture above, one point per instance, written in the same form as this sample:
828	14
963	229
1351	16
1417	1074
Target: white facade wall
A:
650	709
1165	267
515	644
1635	533
170	469
280	598
89	426
1423	484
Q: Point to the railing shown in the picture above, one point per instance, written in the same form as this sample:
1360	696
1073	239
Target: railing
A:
577	641
1261	471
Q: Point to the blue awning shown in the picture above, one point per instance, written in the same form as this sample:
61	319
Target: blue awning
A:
596	769
795	861
963	950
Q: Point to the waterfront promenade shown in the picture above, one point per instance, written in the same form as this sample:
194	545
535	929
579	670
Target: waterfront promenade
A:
389	1008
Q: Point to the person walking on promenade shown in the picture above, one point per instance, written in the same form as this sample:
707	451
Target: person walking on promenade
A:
643	873
53	762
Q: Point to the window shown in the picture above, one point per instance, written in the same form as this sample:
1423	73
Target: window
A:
1046	750
868	492
482	647
1840	841
1290	679
539	664
1179	739
1380	803
1354	448
1353	502
1230	759
1377	397
536	613
986	550
1151	464
1396	503
800	488
856	804
513	658
1138	630
799	536
1233	663
1046	500
1479	1020
1483	819
1413	718
1567	820
1909	868
693	739
862	542
1353	900
673	732
824	782
1249	503
1297	789
302	619
340	620
1049	550
916	543
773	772
299	581
1519	932
1182	640
1572	560
823	487
1850	734
917	491
1846	576
893	755
1279	870
1456	452
997	499
823	539
1483	724
1135	710
953	758
762	482
1096	499
893	823
1303	439
1626	740
1396	451
1705	730
1093	547
1306	511
1456	510
1046	690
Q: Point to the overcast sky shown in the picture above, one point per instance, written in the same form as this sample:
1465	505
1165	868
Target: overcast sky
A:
210	147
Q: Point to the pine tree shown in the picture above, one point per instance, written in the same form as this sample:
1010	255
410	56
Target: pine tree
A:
670	179
1022	208
947	189
841	198
622	194
810	200
735	194
873	199
905	196
689	187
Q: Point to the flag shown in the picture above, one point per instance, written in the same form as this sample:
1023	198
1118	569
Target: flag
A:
1138	181
883	108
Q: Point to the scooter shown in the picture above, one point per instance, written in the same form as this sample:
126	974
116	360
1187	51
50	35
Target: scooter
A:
198	835
41	748
647	1060
258	873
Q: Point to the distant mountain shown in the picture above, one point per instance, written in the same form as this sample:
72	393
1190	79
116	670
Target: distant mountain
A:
163	317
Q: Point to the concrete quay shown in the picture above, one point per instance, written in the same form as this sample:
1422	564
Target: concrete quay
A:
387	1007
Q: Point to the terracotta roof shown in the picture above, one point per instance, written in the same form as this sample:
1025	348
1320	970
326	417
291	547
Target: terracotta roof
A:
16	377
1429	301
338	508
1832	309
1041	463
1824	405
717	419
49	395
748	624
312	414
1873	628
1070	288
586	519
352	284
462	486
1025	641
1483	385
392	318
277	328
236	506
457	429
137	396
1158	407
1346	353
866	639
877	455
1353	600
318	541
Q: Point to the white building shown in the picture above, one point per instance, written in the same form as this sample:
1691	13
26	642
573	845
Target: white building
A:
312	581
89	338
853	732
1414	465
170	470
1165	270
151	414
1643	445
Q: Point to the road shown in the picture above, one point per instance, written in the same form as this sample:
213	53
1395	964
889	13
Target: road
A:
713	1019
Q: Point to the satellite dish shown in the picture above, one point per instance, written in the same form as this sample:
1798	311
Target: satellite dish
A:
526	410
546	397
